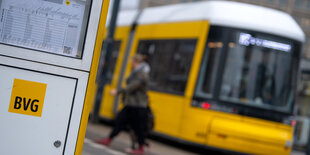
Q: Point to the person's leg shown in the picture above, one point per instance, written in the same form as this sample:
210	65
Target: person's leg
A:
149	125
138	124
120	122
142	126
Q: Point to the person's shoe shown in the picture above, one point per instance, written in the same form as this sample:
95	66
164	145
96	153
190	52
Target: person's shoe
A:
105	141
138	151
147	148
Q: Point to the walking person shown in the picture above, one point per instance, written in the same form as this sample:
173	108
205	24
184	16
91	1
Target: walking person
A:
136	102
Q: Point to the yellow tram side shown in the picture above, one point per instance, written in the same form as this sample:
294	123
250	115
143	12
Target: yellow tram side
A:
176	117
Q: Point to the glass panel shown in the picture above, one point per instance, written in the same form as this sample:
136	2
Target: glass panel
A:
170	62
210	63
53	26
257	70
271	1
299	3
211	68
283	2
308	5
249	68
303	107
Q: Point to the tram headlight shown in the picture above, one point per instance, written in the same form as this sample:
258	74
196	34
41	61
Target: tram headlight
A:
205	105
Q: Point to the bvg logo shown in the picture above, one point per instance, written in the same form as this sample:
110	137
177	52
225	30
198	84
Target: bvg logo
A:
27	97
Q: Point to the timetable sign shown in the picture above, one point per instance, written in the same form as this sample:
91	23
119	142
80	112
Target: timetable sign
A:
54	26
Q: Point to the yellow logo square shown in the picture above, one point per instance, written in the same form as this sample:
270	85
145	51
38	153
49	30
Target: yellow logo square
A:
27	97
68	2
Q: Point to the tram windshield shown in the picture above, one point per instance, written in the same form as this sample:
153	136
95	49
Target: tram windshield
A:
249	68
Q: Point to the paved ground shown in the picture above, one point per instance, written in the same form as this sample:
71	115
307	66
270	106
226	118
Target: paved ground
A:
121	142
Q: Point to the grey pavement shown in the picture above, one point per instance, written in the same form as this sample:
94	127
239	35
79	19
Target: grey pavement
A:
120	143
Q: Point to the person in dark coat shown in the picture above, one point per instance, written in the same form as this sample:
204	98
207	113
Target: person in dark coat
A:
135	100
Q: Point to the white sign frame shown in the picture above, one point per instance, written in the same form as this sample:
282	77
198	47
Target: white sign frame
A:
68	67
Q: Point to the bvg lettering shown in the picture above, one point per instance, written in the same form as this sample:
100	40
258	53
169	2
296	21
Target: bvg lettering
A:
26	104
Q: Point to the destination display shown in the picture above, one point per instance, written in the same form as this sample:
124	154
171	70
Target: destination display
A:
54	26
247	39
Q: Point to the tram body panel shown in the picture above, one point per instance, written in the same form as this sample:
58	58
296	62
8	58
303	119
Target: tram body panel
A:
234	132
247	146
225	133
168	111
176	30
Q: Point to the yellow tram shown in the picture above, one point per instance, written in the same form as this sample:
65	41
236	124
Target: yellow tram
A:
223	74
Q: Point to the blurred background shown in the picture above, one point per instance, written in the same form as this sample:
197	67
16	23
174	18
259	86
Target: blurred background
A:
298	9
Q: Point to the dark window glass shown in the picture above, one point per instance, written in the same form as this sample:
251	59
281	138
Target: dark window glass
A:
210	63
249	68
170	62
308	5
257	70
299	3
283	2
271	1
113	60
303	107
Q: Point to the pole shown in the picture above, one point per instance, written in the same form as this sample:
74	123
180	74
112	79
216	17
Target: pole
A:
106	56
126	57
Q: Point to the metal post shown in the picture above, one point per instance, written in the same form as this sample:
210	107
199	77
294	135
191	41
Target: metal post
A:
125	61
308	144
106	56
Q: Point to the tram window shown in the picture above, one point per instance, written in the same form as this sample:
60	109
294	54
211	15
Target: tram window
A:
170	62
209	67
113	60
283	2
258	72
246	67
299	3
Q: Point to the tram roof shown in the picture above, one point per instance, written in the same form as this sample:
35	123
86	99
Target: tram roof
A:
223	13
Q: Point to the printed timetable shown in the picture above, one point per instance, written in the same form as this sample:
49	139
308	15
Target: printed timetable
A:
53	26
